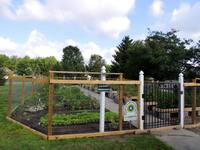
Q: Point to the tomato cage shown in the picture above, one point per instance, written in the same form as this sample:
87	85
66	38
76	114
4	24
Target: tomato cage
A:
75	104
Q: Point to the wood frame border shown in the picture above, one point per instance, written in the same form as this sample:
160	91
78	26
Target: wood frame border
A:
116	82
44	136
191	84
73	72
189	126
110	133
96	134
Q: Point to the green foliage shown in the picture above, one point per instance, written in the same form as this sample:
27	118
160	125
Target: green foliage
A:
95	63
4	60
164	98
120	58
24	66
73	99
189	96
72	59
83	117
30	66
39	98
43	65
161	56
2	74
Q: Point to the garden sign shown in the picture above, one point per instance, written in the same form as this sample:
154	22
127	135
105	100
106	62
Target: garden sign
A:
130	111
103	88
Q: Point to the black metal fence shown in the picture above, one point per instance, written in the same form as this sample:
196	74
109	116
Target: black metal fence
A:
161	104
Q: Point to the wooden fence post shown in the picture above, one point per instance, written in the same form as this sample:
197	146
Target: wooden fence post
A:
194	102
120	100
32	87
50	104
23	92
10	96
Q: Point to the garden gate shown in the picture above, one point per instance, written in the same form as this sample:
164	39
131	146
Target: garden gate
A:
161	104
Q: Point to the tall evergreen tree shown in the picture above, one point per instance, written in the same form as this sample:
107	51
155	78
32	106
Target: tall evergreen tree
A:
72	59
121	55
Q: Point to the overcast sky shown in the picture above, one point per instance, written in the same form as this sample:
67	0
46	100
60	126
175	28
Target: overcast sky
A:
44	27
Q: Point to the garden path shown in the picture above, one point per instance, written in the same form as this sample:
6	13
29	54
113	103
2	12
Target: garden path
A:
110	104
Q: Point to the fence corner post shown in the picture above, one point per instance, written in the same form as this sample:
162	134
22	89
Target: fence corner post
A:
102	102
181	81
141	78
10	95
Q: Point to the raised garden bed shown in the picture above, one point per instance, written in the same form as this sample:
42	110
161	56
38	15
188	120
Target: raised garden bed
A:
73	112
33	120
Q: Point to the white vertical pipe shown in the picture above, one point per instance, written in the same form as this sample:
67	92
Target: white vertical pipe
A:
181	81
102	102
141	78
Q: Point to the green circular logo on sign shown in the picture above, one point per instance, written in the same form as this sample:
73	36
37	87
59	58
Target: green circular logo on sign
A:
131	107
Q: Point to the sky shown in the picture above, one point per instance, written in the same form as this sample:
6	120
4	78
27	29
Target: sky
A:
41	28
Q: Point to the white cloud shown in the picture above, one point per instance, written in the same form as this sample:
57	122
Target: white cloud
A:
90	48
37	45
114	26
157	8
94	15
186	19
5	6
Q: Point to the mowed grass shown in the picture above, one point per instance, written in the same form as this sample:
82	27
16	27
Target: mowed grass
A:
14	137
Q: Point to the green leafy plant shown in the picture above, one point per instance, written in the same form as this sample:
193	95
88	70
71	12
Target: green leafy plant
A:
72	98
83	117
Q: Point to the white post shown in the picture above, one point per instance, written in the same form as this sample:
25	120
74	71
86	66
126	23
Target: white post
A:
181	81
141	78
102	102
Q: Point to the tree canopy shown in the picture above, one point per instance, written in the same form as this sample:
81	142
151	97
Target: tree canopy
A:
72	59
161	56
95	63
121	55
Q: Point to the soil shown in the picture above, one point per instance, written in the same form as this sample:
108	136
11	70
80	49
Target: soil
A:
32	119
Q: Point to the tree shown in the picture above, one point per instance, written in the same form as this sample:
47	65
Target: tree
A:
4	60
121	55
95	63
169	54
2	74
43	65
139	58
192	69
161	56
24	67
12	63
72	59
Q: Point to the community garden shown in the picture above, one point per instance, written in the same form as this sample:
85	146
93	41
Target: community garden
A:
75	108
16	137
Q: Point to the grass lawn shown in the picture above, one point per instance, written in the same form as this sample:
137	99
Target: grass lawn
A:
14	137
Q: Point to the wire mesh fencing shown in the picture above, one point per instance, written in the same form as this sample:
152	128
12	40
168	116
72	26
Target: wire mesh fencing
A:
28	100
76	109
192	102
69	107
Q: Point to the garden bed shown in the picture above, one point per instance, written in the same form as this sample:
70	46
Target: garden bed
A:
33	120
